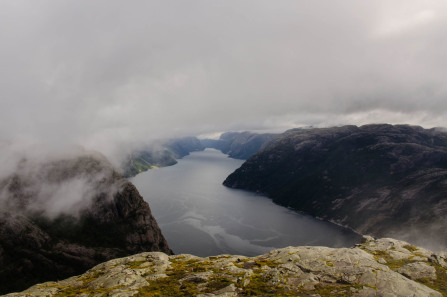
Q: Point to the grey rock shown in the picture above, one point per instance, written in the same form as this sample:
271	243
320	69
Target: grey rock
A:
112	221
418	270
297	270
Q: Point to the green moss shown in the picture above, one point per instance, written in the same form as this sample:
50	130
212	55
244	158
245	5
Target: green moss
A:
168	286
440	283
265	262
410	247
329	263
192	265
89	277
390	261
135	264
240	262
217	282
171	284
258	286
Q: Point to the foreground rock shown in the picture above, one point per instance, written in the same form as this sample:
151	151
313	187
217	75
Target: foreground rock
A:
61	217
383	267
384	180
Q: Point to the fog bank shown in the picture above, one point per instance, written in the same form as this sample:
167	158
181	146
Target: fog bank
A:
106	73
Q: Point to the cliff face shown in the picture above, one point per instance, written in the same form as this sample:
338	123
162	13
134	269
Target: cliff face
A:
239	145
377	179
383	267
61	217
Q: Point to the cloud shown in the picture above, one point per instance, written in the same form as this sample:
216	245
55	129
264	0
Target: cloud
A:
54	184
105	73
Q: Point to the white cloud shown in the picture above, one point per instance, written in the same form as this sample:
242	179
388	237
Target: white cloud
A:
104	73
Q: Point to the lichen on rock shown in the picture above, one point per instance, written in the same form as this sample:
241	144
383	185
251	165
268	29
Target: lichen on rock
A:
290	271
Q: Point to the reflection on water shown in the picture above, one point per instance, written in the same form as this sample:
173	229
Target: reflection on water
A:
198	215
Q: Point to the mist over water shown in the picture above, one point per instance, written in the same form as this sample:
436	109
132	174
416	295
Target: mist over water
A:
198	215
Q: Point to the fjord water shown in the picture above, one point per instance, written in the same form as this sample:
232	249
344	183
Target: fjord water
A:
200	216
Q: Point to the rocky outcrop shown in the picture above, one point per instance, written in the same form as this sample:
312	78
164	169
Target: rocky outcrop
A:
383	267
376	179
59	218
161	154
239	145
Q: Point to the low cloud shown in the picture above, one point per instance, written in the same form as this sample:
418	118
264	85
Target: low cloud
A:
65	183
107	74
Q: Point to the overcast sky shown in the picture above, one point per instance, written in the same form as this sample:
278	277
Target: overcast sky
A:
98	73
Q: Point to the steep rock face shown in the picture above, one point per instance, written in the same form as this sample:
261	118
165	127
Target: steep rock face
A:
60	218
239	145
377	179
383	267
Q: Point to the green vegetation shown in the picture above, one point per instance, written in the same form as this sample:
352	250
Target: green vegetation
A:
168	286
68	291
440	283
390	261
143	161
260	285
174	285
218	282
329	263
135	264
410	247
188	276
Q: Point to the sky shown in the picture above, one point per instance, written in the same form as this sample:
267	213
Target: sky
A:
104	73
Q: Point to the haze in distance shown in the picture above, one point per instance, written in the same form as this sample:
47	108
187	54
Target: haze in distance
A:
106	74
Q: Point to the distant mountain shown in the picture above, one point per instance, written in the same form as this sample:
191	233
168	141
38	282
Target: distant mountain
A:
377	179
239	145
59	218
161	154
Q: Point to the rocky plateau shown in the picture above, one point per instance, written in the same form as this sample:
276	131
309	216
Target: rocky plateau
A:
376	267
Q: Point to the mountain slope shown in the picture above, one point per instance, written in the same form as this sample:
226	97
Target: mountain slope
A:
61	217
383	267
378	179
160	155
239	145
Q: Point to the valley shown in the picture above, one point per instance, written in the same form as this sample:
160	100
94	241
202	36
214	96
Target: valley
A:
199	216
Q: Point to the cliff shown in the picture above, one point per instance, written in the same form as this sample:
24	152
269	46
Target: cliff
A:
383	267
377	179
239	145
61	217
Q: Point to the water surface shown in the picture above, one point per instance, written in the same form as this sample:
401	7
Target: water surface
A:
200	216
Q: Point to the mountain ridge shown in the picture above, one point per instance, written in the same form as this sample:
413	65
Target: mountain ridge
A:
239	145
379	179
